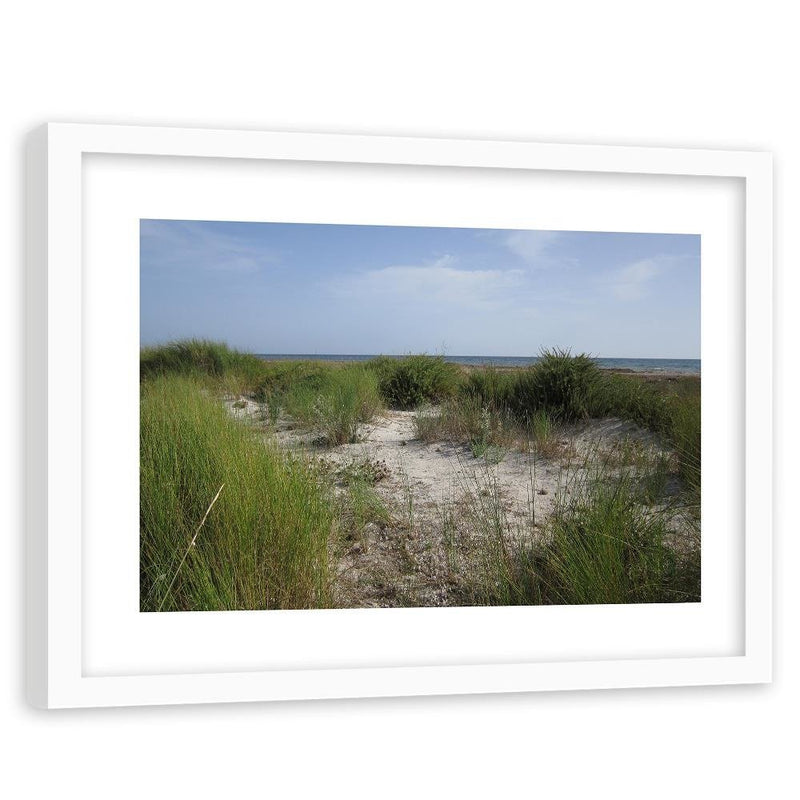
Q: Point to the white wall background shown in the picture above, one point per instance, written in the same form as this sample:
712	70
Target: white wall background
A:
679	73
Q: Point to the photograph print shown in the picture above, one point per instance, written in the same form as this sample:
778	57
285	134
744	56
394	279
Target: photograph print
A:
353	416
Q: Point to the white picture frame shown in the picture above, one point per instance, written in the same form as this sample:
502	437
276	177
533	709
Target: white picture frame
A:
67	302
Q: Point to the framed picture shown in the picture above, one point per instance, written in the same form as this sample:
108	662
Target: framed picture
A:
325	416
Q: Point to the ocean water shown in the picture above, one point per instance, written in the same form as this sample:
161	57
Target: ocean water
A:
690	366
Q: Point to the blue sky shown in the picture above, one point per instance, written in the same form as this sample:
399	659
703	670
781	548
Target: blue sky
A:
351	289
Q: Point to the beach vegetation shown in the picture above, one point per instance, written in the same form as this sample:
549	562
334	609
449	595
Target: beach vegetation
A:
233	519
559	384
405	383
337	404
264	542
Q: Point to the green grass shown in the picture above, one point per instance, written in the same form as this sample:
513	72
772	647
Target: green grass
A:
602	545
605	546
408	382
559	384
278	377
631	398
264	543
541	431
685	435
361	506
490	387
343	399
202	358
487	431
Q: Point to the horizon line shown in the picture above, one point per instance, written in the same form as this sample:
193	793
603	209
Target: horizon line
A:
480	355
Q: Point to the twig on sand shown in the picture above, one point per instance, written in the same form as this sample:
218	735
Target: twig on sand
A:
191	545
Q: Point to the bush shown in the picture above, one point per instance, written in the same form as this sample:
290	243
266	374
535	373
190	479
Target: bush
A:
410	381
560	384
264	543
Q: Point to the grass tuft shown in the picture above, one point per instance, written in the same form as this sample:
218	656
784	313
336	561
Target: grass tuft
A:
264	543
338	404
201	357
606	547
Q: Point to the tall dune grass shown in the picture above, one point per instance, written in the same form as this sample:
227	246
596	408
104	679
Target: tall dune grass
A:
264	542
606	547
602	545
201	357
490	387
338	404
685	434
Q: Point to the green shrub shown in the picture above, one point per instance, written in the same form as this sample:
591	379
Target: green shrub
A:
264	543
560	384
410	381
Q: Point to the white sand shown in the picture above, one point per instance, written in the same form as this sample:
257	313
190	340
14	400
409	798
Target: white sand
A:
414	559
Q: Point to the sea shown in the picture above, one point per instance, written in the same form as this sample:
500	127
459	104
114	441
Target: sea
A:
690	366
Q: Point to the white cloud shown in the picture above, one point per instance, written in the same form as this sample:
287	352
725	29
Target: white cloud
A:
631	282
531	245
437	282
169	243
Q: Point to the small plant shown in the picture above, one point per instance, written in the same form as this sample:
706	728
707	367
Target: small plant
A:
428	424
362	506
408	499
464	419
482	435
541	431
366	471
273	409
